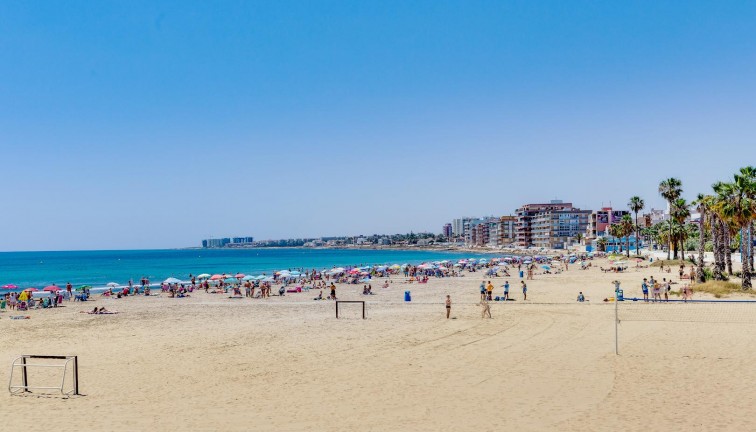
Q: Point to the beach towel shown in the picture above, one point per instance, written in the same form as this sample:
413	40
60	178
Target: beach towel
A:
20	317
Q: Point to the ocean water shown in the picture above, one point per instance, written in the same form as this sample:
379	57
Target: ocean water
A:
39	269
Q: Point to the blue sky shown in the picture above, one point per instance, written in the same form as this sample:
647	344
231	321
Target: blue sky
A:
148	124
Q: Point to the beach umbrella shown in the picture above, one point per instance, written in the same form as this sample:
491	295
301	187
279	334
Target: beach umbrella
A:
111	284
267	279
203	276
172	280
31	290
10	286
248	277
239	275
216	277
51	288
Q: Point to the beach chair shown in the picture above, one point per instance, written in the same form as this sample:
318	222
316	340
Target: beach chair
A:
23	306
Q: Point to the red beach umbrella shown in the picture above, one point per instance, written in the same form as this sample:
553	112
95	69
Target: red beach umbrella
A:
51	288
10	286
31	289
216	277
239	275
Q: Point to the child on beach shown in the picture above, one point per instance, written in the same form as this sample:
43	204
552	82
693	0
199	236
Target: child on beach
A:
644	287
524	290
506	290
482	290
448	306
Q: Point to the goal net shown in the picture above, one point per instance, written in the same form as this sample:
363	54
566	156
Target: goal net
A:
351	309
686	328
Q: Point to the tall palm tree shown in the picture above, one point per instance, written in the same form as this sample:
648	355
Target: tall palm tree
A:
741	210
670	189
601	244
636	204
749	173
627	228
702	203
617	231
725	196
680	212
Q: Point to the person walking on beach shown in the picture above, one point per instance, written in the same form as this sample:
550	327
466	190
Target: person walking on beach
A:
482	290
506	290
657	292
667	287
69	289
489	290
524	290
333	291
448	306
644	287
485	309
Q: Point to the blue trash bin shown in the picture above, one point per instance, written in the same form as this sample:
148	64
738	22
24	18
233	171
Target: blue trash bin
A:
407	296
620	295
521	274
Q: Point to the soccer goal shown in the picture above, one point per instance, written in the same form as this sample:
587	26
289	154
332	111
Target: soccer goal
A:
53	369
342	303
703	326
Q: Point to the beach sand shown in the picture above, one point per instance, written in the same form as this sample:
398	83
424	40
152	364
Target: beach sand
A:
213	363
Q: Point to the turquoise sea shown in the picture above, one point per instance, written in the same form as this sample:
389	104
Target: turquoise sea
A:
39	269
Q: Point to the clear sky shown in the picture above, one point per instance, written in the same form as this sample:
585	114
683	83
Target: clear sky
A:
149	124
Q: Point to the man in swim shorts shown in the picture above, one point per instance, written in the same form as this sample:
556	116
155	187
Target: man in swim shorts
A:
448	306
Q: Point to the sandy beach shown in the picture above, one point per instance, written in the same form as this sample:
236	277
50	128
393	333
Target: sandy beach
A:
212	363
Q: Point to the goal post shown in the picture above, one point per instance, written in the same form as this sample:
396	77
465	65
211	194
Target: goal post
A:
25	362
351	301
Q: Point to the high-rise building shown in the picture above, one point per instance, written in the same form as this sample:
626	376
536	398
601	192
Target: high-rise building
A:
447	231
216	243
553	225
459	226
507	230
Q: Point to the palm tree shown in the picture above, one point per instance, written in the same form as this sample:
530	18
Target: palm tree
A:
725	195
741	210
702	203
617	231
601	244
680	212
636	204
627	228
670	189
578	238
749	173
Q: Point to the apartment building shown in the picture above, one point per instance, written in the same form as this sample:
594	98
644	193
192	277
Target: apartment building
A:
552	225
